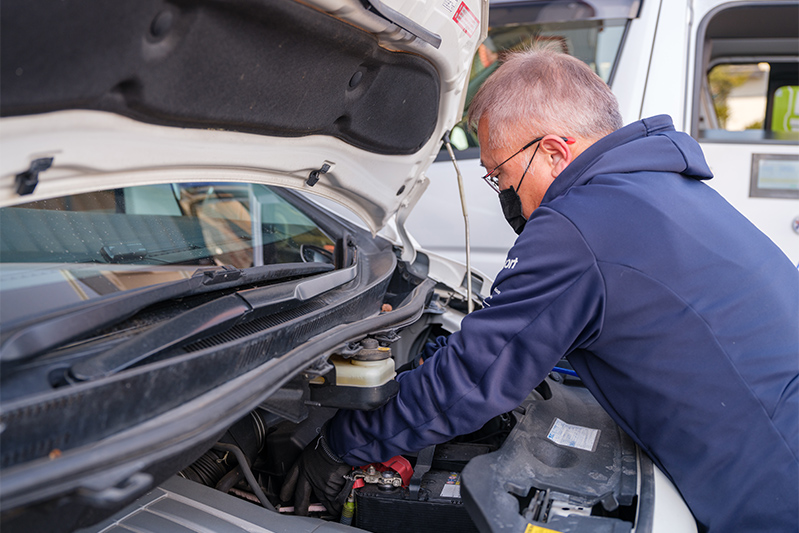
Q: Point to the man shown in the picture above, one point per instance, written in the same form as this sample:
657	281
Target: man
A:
679	316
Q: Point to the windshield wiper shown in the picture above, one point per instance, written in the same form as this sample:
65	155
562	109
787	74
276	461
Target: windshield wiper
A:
210	318
36	336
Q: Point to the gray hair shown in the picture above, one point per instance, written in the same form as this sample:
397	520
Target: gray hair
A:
542	91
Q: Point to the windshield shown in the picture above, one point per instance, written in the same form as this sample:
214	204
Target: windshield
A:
65	250
596	42
592	35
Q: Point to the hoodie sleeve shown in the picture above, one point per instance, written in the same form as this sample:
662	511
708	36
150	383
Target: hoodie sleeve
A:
546	301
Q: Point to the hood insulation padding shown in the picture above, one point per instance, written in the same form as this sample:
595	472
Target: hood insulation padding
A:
276	68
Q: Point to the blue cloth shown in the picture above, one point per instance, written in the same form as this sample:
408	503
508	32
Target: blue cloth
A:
678	314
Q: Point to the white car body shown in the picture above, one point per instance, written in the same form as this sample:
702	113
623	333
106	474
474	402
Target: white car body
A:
659	71
96	150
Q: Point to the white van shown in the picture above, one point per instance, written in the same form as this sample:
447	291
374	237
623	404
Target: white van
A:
727	73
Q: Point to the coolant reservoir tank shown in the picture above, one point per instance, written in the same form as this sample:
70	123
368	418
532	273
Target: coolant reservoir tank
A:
364	380
355	373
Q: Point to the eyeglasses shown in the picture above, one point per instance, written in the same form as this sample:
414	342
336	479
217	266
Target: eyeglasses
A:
493	181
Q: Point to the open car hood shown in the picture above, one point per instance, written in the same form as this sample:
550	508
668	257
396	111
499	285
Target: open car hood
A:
344	98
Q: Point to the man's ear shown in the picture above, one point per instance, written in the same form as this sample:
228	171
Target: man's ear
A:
557	153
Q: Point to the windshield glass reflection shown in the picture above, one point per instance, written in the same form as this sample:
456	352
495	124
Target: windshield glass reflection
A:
64	250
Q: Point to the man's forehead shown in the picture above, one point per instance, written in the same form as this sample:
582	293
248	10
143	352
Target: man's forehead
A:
490	147
486	159
489	156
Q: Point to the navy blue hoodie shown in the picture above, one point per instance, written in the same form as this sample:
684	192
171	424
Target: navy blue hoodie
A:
677	313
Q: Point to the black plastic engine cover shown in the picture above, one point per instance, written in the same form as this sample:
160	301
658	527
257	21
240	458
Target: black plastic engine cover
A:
600	471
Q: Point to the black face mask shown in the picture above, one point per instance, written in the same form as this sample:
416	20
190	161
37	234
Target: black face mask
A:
512	209
509	199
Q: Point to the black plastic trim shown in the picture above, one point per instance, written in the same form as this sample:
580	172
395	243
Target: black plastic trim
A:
187	429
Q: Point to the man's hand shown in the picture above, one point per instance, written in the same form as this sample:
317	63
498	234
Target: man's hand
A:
320	470
428	351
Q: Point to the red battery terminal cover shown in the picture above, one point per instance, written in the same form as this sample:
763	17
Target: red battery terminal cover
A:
397	464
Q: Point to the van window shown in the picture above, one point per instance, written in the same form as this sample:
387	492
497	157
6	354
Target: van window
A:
592	34
785	109
747	75
749	96
739	95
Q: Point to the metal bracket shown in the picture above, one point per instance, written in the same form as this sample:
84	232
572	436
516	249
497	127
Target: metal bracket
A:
424	461
433	39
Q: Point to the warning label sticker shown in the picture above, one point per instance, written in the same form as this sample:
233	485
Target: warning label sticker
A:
452	488
466	20
573	436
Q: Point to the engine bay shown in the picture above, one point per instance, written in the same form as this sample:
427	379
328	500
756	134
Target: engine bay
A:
556	460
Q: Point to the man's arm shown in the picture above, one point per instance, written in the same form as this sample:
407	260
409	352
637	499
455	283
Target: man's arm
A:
547	301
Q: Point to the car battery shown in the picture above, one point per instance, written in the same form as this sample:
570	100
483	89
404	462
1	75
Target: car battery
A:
435	508
439	507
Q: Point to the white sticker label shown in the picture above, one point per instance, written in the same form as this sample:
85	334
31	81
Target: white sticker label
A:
452	488
573	436
466	19
449	5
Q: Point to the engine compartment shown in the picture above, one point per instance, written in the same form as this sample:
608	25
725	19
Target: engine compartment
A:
508	475
558	460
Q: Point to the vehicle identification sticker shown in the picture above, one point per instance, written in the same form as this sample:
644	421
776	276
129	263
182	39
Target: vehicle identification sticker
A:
466	19
452	488
573	436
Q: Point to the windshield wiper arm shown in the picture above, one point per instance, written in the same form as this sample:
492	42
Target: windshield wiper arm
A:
212	317
36	336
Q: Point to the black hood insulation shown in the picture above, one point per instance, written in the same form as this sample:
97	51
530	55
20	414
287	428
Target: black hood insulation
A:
275	68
